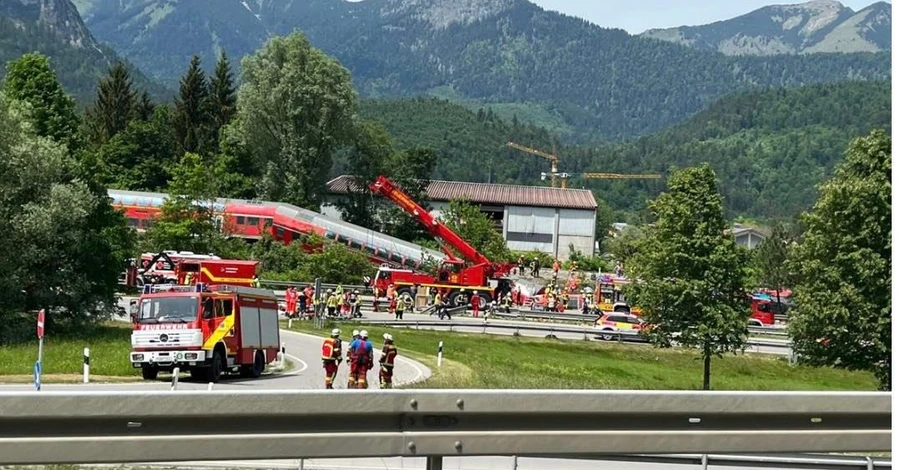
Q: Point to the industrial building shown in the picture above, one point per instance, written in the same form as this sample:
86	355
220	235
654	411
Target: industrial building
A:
529	217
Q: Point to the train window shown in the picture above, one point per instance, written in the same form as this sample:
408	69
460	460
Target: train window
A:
279	232
133	222
253	221
240	220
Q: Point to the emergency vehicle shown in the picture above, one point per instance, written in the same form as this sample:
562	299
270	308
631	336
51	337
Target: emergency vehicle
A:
460	278
614	322
178	268
205	329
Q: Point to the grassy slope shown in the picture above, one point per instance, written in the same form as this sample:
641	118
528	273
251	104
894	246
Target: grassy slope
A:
63	352
477	361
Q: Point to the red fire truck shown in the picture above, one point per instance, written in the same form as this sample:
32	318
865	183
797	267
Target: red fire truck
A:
460	279
176	268
205	329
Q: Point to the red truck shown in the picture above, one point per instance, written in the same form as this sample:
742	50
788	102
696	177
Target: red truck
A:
460	279
205	329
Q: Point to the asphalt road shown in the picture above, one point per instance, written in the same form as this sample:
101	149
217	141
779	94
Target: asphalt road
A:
307	373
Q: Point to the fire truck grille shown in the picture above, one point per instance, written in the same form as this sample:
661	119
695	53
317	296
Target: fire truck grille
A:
166	338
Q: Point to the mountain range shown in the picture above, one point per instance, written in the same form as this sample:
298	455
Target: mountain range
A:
580	80
54	28
816	26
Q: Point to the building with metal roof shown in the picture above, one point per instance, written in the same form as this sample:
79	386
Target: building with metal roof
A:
529	217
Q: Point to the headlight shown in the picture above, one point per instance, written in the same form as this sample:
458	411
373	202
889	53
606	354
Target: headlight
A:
190	356
137	357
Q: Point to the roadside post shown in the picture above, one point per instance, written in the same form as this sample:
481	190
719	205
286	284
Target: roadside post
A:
440	352
87	365
40	335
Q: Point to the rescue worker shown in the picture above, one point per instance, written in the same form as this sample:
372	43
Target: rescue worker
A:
475	300
362	349
351	360
436	302
188	279
302	298
400	307
255	282
339	290
354	300
392	304
507	301
290	300
563	301
388	355
520	264
375	292
331	357
331	301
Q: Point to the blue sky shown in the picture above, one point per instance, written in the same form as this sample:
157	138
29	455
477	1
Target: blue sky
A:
637	16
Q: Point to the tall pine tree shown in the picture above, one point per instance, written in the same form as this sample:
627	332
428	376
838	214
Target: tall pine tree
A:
223	99
145	107
114	107
193	122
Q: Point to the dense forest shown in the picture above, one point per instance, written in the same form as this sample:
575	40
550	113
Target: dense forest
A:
769	148
603	84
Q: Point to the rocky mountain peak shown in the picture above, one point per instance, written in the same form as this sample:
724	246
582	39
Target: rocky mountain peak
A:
443	13
60	16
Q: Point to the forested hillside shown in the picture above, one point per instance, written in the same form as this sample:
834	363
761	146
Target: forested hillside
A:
769	148
78	59
602	84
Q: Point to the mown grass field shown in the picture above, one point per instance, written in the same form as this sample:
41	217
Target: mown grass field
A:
110	345
483	361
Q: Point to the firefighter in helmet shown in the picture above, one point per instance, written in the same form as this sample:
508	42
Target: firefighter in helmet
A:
331	356
351	360
388	355
362	350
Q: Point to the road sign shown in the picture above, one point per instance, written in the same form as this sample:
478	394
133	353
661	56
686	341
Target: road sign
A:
40	324
37	375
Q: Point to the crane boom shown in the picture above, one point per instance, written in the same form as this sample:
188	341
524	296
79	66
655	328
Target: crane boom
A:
615	176
552	158
438	230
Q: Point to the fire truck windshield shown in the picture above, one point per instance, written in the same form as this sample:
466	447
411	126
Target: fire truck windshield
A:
169	310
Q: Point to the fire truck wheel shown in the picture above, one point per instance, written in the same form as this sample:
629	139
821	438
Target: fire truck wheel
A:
214	371
257	368
458	299
149	373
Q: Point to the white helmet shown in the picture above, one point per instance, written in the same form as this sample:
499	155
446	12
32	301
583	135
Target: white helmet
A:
335	332
388	337
355	332
364	334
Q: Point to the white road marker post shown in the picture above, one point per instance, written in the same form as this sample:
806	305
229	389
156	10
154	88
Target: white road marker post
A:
281	357
175	373
440	352
290	322
87	365
209	387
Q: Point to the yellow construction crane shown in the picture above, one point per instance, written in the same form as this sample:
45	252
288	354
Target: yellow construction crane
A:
563	177
554	161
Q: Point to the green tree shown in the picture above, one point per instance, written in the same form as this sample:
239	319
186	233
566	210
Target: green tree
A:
411	169
140	156
145	107
370	151
192	119
473	226
689	275
770	260
625	245
222	95
843	296
606	217
114	107
295	106
187	219
30	79
65	245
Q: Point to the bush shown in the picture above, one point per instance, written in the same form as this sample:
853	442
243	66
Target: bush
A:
586	263
306	260
544	258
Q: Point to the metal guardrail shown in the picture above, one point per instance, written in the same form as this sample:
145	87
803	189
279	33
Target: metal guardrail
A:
551	328
578	317
792	461
271	283
121	427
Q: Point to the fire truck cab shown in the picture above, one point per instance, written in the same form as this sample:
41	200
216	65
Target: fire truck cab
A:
205	329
